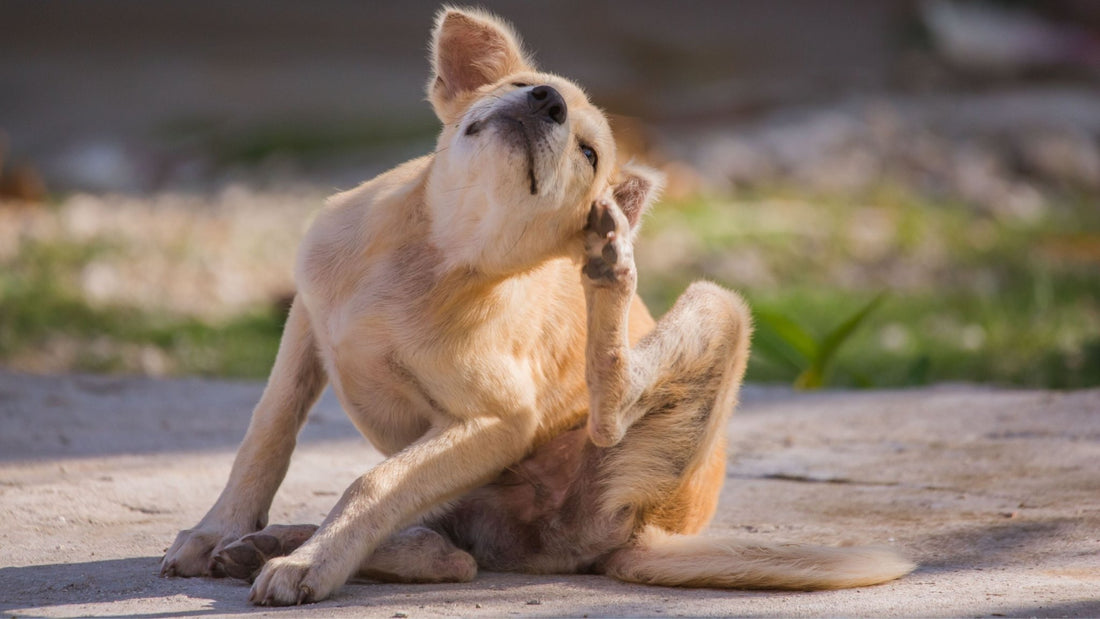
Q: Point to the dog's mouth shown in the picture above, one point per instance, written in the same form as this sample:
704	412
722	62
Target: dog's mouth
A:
529	151
521	133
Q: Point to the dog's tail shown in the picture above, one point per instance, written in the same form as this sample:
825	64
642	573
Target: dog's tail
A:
660	558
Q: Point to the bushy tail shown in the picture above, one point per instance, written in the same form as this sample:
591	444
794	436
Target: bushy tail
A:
659	558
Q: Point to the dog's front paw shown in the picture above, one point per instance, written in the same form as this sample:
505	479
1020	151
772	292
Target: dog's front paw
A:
609	254
244	558
295	579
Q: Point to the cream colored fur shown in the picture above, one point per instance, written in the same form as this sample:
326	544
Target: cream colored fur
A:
444	304
712	561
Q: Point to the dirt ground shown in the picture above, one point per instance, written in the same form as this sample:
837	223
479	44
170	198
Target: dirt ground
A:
995	493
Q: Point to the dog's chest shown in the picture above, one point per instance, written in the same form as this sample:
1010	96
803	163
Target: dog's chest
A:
406	350
397	377
380	393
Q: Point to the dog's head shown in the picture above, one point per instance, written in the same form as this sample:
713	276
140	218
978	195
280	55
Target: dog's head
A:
522	153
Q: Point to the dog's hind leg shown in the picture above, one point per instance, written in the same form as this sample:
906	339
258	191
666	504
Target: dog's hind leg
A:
697	352
661	407
670	464
419	555
263	457
415	555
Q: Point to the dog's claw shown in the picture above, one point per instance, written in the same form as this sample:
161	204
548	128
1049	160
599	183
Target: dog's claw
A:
607	220
593	217
217	568
610	254
305	595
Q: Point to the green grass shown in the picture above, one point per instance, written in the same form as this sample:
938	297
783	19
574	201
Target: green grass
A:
1001	302
942	337
39	306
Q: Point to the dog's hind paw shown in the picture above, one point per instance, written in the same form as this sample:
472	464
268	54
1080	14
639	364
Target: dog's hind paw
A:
244	558
609	254
191	553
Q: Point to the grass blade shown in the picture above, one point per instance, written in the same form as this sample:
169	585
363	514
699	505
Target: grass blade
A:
814	376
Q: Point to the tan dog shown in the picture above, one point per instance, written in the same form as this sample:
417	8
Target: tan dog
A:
445	303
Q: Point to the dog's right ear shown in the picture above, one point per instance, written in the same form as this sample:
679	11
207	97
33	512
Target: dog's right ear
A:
636	189
470	48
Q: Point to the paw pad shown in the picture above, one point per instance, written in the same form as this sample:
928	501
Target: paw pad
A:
607	243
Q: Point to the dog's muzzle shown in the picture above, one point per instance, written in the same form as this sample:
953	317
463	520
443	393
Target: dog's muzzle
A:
527	122
542	109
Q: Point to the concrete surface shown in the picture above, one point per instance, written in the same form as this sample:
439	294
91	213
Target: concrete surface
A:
995	493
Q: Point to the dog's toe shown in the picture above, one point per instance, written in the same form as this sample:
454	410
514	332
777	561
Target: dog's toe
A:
609	256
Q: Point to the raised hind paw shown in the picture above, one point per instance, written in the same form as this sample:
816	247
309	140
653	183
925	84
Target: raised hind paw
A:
609	253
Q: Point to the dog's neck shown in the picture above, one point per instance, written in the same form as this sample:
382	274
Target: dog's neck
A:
477	233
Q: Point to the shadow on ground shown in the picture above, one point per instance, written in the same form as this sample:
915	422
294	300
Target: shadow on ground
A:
92	587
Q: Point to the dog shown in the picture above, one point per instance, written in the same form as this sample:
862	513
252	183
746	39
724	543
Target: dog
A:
474	310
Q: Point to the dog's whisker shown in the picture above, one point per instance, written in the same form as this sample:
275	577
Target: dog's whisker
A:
454	189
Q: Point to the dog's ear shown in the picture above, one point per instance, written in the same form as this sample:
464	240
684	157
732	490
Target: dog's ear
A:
636	188
470	48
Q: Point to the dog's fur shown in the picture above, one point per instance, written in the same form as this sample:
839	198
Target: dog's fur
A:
472	309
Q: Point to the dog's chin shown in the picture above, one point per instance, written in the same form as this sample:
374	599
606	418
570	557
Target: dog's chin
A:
527	138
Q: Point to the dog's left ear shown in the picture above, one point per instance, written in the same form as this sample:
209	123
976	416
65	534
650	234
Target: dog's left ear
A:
636	189
470	48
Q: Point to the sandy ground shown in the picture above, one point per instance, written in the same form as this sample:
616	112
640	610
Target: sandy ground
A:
995	493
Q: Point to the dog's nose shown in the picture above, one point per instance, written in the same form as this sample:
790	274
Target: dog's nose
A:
546	102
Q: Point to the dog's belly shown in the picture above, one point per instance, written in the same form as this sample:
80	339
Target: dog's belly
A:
542	514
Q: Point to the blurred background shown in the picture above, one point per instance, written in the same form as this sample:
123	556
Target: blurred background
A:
907	192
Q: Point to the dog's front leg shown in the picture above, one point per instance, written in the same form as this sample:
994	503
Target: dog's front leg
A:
263	457
445	463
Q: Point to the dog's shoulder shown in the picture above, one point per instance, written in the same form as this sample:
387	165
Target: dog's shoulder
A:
361	226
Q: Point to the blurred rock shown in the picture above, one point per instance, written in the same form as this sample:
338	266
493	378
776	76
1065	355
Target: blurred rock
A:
208	257
989	37
1069	157
101	165
1002	153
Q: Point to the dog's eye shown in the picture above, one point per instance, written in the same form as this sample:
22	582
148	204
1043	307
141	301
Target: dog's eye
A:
590	154
520	84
